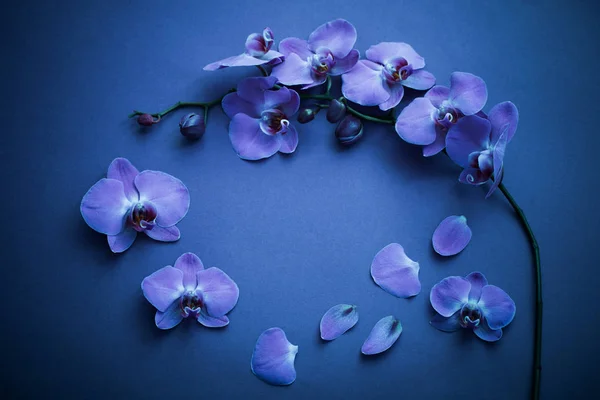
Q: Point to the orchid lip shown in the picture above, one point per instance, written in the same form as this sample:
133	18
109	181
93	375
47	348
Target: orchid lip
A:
397	70
191	303
470	315
142	216
273	122
322	62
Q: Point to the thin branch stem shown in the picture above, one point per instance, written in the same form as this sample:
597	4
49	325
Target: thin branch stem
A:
183	104
350	109
263	71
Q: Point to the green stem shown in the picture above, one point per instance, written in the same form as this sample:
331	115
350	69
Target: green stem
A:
263	71
539	305
183	104
350	109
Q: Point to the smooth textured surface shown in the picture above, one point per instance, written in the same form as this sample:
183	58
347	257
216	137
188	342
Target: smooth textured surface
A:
297	233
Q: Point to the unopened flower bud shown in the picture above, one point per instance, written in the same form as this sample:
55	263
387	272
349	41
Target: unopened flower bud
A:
192	126
147	120
349	130
306	115
336	111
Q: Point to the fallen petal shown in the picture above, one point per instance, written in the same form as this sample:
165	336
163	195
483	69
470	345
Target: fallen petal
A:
451	236
383	336
395	273
273	358
337	320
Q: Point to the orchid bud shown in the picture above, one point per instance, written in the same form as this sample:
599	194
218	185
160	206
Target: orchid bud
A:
336	111
192	126
306	115
147	120
349	130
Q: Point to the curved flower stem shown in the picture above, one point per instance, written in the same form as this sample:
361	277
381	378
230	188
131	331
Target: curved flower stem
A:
263	71
539	305
350	109
182	104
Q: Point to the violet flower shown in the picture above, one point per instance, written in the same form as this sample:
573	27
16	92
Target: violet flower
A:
473	304
258	52
127	202
260	118
328	51
187	289
426	120
478	144
380	80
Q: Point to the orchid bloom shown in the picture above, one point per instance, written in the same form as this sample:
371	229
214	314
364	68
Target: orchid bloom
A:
127	202
328	51
473	304
427	120
258	52
187	289
260	118
478	144
380	80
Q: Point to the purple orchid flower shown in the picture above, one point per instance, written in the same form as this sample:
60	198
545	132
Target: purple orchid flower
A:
478	144
426	120
187	289
471	303
127	202
380	80
260	118
328	51
258	52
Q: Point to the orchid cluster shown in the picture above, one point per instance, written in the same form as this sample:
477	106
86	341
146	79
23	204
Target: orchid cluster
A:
446	120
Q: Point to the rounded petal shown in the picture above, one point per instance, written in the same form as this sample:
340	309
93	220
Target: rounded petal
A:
468	135
337	320
448	296
487	334
498	160
276	98
290	107
293	71
170	318
438	144
170	234
420	80
343	65
468	92
500	116
219	292
497	180
123	170
289	140
104	207
122	241
383	335
242	60
437	95
446	324
395	273
497	307
170	196
396	95
451	236
212	322
189	264
233	104
364	84
273	358
253	89
385	51
163	287
478	281
272	57
294	45
338	36
249	141
415	123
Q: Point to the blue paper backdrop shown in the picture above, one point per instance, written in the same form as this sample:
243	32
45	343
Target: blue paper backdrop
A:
297	233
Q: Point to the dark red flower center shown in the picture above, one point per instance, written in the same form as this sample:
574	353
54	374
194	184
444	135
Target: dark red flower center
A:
142	216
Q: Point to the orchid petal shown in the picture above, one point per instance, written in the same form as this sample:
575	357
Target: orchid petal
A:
293	71
123	170
273	358
468	92
497	181
275	98
419	80
233	104
338	36
500	115
497	307
289	140
163	287
485	333
170	196
383	335
438	144
337	320
219	292
272	57
415	123
189	264
105	206
395	273
473	176
170	318
446	324
294	45
478	281
212	322
343	65
364	84
498	157
249	141
451	236
385	51
449	295
254	89
242	60
437	95
396	95
289	107
122	241
170	234
318	80
470	134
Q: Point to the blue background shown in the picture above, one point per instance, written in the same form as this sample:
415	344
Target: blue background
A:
297	233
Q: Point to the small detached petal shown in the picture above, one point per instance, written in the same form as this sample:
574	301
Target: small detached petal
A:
451	236
384	334
395	273
273	358
337	320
